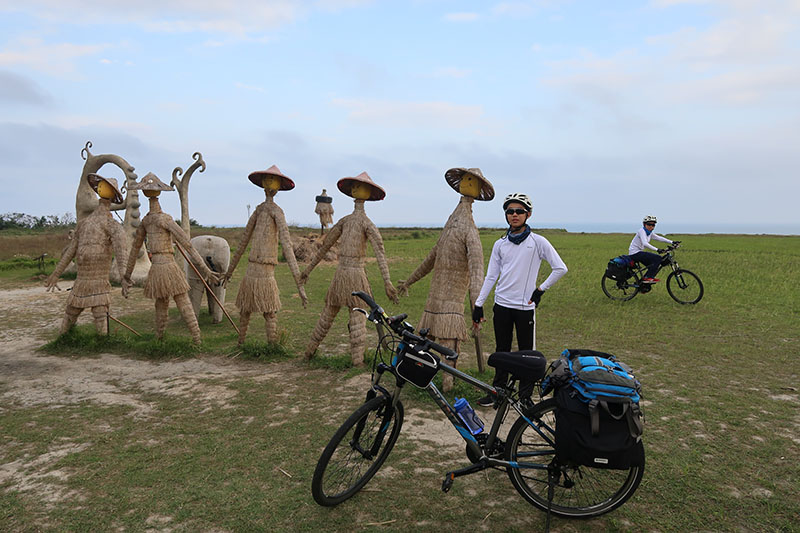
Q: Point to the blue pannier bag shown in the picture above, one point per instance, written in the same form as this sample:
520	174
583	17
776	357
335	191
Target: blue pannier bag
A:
598	416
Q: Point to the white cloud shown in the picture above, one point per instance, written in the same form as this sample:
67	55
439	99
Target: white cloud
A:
19	89
461	17
394	114
57	58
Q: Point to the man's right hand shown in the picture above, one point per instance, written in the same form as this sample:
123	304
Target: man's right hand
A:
477	314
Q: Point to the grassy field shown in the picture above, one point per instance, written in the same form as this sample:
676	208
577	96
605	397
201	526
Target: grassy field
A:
721	402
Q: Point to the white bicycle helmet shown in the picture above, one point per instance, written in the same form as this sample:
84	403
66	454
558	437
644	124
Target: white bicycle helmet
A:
518	197
650	218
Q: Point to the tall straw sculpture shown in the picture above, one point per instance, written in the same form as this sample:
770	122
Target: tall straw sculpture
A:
324	209
457	263
96	237
353	232
166	279
267	225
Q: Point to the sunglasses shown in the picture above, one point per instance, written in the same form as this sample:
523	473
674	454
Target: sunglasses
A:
516	211
650	224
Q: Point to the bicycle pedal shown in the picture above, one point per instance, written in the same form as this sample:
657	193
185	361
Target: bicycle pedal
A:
448	481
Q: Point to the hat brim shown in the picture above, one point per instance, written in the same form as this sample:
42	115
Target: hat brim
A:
345	185
95	179
455	175
258	176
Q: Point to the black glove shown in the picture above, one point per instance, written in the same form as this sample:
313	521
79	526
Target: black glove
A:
662	250
477	313
536	297
675	243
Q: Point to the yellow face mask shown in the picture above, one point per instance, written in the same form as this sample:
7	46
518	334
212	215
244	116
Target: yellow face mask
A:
469	186
104	190
271	183
360	191
151	194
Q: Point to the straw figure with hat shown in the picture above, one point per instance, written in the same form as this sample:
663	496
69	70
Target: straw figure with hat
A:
165	279
457	264
324	209
266	226
353	231
96	237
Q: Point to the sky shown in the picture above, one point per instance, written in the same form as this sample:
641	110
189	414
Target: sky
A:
602	112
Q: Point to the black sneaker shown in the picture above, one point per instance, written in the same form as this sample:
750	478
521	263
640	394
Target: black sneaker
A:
486	401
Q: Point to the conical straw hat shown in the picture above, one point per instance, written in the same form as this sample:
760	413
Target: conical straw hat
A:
150	182
257	177
95	179
455	175
346	184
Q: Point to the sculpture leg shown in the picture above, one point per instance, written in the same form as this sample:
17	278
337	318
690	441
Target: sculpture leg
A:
162	315
185	307
244	322
447	379
358	336
100	314
70	317
271	322
321	329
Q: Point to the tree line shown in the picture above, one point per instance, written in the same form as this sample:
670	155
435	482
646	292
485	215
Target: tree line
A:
25	221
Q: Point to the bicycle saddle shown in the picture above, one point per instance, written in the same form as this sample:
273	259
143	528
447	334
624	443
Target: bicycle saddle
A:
523	365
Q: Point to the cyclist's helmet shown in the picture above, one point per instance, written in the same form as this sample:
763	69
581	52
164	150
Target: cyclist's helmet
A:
518	197
649	218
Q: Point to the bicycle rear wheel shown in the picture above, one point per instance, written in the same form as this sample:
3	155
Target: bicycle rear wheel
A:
356	451
620	290
580	491
684	287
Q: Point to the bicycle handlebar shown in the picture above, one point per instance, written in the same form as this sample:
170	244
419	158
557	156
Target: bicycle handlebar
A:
397	325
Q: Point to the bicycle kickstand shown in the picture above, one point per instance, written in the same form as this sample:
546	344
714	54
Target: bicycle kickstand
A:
451	476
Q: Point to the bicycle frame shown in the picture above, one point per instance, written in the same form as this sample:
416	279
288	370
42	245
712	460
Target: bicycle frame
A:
472	443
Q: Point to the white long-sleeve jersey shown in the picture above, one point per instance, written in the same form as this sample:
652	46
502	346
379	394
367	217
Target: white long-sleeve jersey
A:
642	240
515	267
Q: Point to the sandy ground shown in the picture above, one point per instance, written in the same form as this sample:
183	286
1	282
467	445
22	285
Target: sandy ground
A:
29	378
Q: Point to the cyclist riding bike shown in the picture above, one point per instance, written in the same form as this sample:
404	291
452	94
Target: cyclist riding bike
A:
641	241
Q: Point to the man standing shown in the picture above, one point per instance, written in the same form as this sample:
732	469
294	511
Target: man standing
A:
514	267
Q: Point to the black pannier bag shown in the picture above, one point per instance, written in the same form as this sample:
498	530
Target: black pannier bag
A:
620	267
613	447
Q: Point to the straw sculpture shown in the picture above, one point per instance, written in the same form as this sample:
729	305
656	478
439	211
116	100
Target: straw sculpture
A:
165	279
97	236
457	264
352	231
267	225
324	209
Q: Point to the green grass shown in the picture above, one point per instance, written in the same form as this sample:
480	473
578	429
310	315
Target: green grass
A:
721	401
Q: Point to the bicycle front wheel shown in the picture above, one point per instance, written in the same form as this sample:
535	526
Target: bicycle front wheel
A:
579	491
621	290
356	451
684	287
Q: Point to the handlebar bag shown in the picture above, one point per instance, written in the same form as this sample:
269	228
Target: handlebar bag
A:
418	367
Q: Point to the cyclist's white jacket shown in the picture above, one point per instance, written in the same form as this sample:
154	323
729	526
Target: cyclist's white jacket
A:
515	267
642	240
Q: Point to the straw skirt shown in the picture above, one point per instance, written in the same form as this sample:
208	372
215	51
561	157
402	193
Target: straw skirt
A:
259	292
346	280
165	279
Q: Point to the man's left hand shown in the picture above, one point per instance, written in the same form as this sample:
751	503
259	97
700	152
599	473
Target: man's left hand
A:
536	297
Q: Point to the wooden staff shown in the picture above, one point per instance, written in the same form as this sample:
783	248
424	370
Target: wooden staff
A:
476	334
123	324
210	292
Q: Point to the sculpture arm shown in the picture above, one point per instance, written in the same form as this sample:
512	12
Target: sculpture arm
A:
138	241
180	237
119	241
242	246
424	268
66	257
331	238
474	265
376	240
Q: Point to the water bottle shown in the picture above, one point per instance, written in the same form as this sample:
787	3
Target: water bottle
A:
467	415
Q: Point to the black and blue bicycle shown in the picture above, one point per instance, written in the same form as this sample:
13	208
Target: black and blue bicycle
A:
360	446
